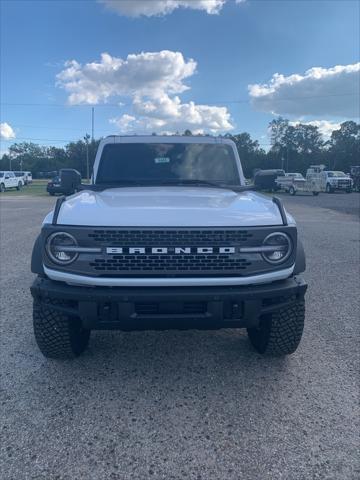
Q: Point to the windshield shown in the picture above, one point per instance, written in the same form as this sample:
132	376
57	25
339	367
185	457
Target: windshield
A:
336	174
159	163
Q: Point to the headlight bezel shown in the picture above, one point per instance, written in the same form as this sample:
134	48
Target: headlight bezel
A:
50	254
288	252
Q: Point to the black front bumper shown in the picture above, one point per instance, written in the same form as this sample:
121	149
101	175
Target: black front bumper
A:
148	308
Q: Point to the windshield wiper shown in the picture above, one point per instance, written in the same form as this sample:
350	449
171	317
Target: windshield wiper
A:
205	183
191	181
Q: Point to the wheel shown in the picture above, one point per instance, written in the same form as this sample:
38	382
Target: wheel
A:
51	193
2	188
19	185
292	191
57	334
328	188
279	333
315	194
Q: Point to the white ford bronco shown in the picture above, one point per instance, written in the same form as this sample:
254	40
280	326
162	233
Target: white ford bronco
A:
167	236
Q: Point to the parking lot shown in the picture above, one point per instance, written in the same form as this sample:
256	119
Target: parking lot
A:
186	405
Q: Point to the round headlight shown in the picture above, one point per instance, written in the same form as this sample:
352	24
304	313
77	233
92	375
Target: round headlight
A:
60	248
278	247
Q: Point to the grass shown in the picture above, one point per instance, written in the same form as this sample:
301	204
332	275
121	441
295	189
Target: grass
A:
36	189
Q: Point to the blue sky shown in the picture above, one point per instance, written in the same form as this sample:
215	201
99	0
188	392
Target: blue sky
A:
212	59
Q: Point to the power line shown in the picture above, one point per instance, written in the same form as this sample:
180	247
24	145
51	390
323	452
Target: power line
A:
119	105
68	140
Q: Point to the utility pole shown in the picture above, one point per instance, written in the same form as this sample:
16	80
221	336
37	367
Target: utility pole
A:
287	158
86	138
92	124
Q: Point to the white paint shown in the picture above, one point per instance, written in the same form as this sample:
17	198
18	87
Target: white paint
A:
84	280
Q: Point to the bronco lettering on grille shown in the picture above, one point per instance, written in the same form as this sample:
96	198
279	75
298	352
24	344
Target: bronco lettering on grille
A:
167	250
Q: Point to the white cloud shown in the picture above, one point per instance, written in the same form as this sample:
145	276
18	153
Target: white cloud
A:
141	74
153	81
124	123
165	114
150	8
319	92
6	131
325	127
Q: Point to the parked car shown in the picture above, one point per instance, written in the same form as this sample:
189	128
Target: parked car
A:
27	177
333	180
157	241
21	177
56	186
265	179
9	180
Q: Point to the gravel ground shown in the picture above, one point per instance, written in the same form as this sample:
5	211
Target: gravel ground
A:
338	201
186	405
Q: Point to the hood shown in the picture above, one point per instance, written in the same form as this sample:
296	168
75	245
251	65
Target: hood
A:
169	207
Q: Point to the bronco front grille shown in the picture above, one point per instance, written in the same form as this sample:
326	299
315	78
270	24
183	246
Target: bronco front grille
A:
171	252
169	238
171	263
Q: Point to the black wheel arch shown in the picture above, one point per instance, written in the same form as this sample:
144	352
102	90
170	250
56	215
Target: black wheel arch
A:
36	257
300	263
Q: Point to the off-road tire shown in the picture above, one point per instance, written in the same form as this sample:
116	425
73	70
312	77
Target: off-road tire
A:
57	334
279	333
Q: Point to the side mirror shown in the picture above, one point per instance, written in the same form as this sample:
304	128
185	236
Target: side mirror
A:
70	180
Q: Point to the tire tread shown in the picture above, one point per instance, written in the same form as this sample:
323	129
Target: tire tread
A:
284	332
57	335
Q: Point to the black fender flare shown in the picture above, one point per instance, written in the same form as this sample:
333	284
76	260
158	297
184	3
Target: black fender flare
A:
36	257
300	262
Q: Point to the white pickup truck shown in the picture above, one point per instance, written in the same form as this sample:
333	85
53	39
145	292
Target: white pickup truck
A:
168	235
329	181
9	180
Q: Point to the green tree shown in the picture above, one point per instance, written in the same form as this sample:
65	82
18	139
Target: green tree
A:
294	147
251	155
344	147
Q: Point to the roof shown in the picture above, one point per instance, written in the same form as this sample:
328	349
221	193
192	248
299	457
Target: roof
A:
166	139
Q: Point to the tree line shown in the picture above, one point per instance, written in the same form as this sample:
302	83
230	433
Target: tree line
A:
292	148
